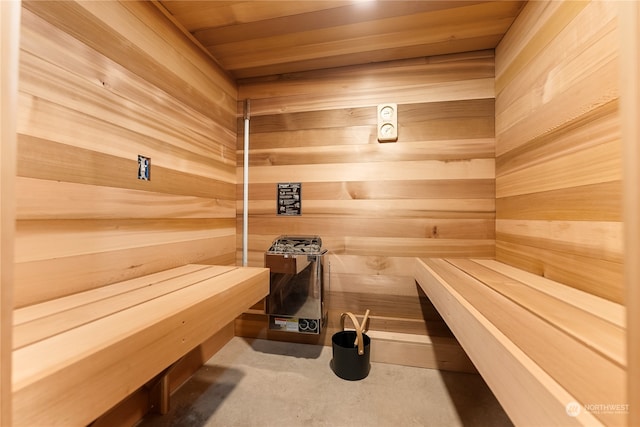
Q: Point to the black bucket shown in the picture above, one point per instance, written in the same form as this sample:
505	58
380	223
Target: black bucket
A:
347	363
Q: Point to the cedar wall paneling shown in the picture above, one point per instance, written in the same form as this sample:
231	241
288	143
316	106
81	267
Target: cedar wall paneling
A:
9	47
629	18
101	83
377	205
558	151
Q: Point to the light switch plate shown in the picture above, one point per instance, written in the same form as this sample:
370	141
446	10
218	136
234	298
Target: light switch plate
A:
144	168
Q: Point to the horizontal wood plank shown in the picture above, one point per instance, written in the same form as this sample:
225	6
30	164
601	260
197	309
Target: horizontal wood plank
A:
369	266
41	159
595	202
592	331
123	351
337	36
126	35
373	284
105	103
599	240
598	126
474	229
533	30
113	299
429	208
431	92
46	279
392	246
605	309
422	150
421	351
36	311
596	165
324	85
40	199
584	273
501	361
388	33
86	111
71	237
590	375
383	171
384	190
433	113
568	64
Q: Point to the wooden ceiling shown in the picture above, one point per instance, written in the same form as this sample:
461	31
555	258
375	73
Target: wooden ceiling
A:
260	38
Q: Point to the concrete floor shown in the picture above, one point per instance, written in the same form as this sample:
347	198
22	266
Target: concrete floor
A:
268	383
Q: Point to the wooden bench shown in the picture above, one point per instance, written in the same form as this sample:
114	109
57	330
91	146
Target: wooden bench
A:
539	345
77	356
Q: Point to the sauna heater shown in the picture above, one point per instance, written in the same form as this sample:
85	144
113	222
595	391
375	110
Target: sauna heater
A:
296	295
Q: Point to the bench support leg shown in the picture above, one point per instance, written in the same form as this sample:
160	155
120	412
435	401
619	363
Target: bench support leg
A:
159	396
160	392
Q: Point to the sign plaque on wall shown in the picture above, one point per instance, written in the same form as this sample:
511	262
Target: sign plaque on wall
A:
289	198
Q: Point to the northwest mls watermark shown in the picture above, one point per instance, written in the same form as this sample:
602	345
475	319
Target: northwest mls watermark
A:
574	408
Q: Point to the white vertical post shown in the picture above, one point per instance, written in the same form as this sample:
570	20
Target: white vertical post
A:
245	187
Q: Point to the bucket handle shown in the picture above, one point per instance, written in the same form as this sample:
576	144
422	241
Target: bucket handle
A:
359	340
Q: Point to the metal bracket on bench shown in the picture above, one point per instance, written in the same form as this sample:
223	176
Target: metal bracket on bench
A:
159	390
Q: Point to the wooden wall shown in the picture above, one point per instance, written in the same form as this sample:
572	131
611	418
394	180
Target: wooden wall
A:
558	151
629	18
100	84
376	205
9	47
97	89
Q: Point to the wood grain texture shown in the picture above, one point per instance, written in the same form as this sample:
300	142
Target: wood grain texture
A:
376	205
122	30
40	199
131	410
531	382
96	358
595	332
596	202
423	351
43	321
602	308
559	192
269	38
600	240
89	271
629	18
597	276
435	190
421	150
364	168
597	346
100	84
551	83
445	78
9	75
85	112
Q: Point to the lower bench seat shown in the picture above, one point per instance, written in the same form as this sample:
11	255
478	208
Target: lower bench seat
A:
552	355
77	356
